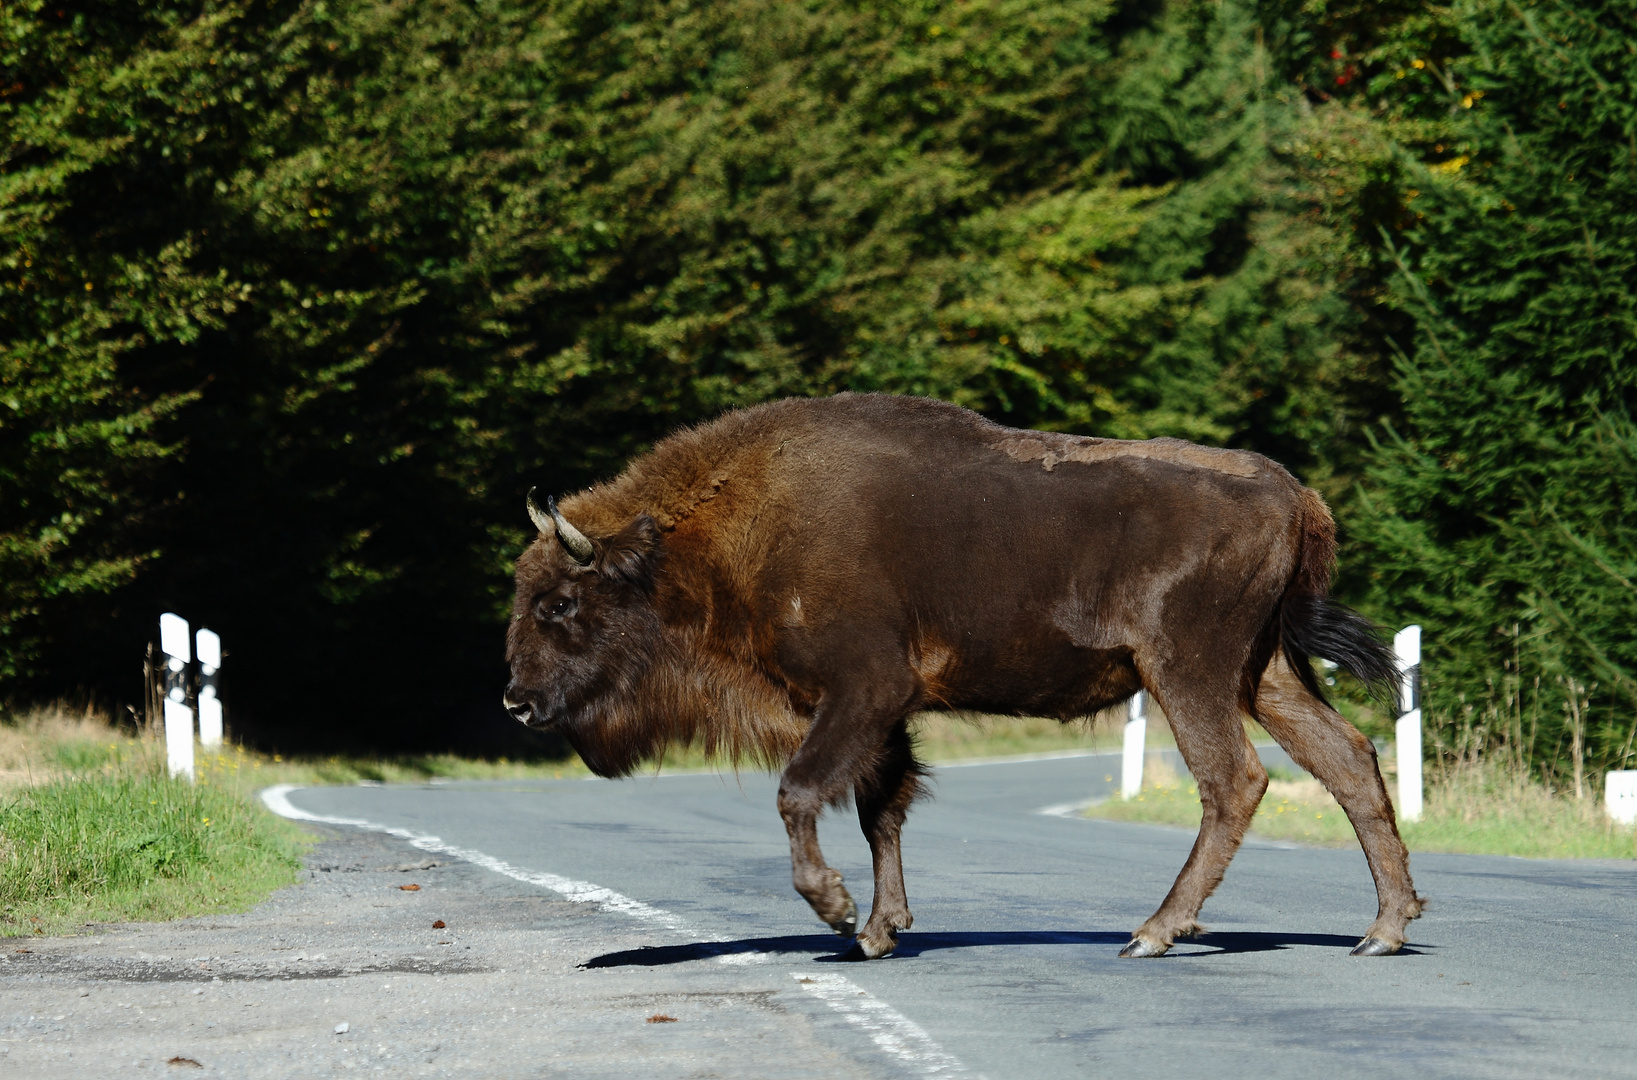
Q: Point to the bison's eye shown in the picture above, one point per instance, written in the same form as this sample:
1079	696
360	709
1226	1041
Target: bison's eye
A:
555	609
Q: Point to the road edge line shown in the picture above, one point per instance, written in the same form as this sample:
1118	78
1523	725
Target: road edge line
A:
890	1030
277	799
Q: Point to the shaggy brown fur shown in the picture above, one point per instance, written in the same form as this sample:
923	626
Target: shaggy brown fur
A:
789	583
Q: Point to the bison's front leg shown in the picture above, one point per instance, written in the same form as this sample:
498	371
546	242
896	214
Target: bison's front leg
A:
818	884
843	746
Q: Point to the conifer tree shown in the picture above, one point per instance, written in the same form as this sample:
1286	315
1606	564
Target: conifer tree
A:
1502	512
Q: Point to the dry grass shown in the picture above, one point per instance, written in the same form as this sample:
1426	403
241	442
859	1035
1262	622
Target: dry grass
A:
92	830
1481	808
1493	809
48	743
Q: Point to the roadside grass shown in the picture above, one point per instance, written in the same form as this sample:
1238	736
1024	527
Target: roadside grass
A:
1475	808
93	831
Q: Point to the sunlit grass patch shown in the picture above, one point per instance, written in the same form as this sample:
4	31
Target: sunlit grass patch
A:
93	848
91	830
1477	809
1493	810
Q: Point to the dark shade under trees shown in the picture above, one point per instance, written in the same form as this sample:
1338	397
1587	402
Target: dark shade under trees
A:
299	298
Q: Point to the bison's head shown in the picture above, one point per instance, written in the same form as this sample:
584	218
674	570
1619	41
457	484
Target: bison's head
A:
584	635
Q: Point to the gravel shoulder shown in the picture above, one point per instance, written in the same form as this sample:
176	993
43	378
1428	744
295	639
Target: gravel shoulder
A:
496	992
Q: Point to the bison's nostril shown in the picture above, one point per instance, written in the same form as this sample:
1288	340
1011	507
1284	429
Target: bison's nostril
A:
521	710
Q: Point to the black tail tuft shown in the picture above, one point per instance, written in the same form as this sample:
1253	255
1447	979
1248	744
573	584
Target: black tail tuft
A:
1312	626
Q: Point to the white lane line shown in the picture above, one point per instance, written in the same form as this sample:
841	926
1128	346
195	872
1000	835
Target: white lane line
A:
895	1034
277	799
1070	809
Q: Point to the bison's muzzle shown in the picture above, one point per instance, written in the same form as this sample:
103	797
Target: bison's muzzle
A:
521	711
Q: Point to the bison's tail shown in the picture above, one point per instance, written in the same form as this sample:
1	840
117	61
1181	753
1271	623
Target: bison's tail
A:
1311	624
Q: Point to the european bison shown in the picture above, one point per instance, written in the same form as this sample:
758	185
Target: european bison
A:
789	583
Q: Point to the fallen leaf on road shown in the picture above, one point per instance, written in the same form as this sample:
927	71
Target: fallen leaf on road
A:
410	888
185	1062
439	925
661	1018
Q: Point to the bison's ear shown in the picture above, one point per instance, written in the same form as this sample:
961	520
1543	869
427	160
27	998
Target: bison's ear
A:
631	555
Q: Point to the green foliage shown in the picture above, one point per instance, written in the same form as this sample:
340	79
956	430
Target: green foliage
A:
1502	512
363	272
300	297
75	441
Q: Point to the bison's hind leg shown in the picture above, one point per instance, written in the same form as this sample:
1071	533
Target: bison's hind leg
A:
1231	782
1319	740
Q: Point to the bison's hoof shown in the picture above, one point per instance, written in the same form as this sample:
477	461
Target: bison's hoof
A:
1374	946
876	946
1141	948
847	925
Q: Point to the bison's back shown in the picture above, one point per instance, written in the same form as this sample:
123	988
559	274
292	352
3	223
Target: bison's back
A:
912	474
1019	570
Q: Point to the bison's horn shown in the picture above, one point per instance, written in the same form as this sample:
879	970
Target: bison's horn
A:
552	520
572	538
541	519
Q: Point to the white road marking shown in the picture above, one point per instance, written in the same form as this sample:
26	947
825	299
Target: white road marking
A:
890	1030
1070	809
277	800
895	1034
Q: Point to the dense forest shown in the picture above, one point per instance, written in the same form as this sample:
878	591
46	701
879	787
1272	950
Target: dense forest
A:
299	298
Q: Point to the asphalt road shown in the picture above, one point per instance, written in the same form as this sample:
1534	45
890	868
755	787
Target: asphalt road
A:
1520	968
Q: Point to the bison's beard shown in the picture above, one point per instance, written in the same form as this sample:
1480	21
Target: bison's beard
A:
613	747
726	711
619	718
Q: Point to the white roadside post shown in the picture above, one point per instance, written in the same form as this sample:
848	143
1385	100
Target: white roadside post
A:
1136	738
178	649
1407	644
1620	795
208	648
